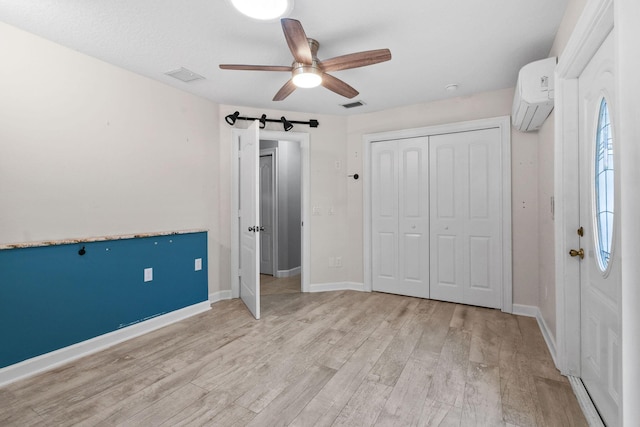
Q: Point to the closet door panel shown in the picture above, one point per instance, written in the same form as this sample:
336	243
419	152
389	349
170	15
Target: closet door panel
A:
484	222
400	217
384	207
448	180
413	217
465	207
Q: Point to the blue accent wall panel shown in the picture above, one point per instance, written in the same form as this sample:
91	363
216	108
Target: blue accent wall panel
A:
52	297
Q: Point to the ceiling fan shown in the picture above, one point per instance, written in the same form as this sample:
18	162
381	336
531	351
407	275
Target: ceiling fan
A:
307	70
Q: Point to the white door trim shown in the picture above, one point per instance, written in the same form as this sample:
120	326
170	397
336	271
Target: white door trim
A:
273	152
303	140
504	124
595	23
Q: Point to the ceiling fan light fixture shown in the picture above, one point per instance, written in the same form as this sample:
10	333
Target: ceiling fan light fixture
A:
264	10
306	76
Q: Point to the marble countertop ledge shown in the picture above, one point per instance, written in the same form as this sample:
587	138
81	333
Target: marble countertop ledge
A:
95	239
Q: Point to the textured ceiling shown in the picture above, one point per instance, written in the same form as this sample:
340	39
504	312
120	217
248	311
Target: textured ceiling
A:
480	45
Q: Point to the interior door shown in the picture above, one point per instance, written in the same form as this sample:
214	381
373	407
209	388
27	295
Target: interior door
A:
600	242
400	217
267	209
465	217
249	216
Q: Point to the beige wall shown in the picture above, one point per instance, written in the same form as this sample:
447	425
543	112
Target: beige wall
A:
89	149
524	173
546	249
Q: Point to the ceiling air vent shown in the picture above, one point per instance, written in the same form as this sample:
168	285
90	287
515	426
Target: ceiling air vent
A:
184	75
353	104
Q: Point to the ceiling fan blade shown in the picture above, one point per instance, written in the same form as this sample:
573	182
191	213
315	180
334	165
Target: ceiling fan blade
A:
297	40
338	86
285	91
255	67
355	60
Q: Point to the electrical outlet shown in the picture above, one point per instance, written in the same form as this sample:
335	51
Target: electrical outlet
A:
316	211
338	164
338	262
198	264
148	274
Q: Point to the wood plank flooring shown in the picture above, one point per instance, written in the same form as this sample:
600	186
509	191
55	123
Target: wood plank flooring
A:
327	359
270	285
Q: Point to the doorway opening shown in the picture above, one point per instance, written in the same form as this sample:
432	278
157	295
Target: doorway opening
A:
281	217
301	140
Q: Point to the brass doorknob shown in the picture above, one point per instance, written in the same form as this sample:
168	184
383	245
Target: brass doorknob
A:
579	253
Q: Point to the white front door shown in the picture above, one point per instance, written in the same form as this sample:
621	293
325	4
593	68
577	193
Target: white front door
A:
267	210
249	216
600	242
400	217
465	199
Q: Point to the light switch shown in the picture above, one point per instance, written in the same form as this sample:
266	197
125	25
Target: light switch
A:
315	211
148	274
198	264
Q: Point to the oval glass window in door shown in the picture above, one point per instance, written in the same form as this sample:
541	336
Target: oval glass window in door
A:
603	186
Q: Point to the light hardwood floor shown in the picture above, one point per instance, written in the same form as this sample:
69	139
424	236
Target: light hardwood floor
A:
270	285
337	358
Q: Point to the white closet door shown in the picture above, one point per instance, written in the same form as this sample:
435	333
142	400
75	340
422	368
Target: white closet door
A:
465	189
400	217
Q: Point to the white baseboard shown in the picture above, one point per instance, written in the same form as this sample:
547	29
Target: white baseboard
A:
586	404
533	311
219	296
337	286
65	355
288	273
548	337
525	310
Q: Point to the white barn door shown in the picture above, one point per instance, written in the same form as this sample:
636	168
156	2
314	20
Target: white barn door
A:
465	227
400	217
249	217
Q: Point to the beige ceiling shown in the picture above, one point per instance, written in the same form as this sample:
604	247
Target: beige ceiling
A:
479	45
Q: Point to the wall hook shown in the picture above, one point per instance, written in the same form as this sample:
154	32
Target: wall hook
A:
82	251
354	176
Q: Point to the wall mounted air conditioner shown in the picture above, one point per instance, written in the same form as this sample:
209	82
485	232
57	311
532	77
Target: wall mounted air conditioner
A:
533	99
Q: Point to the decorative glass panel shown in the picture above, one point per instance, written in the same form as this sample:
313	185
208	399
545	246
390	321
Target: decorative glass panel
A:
604	187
